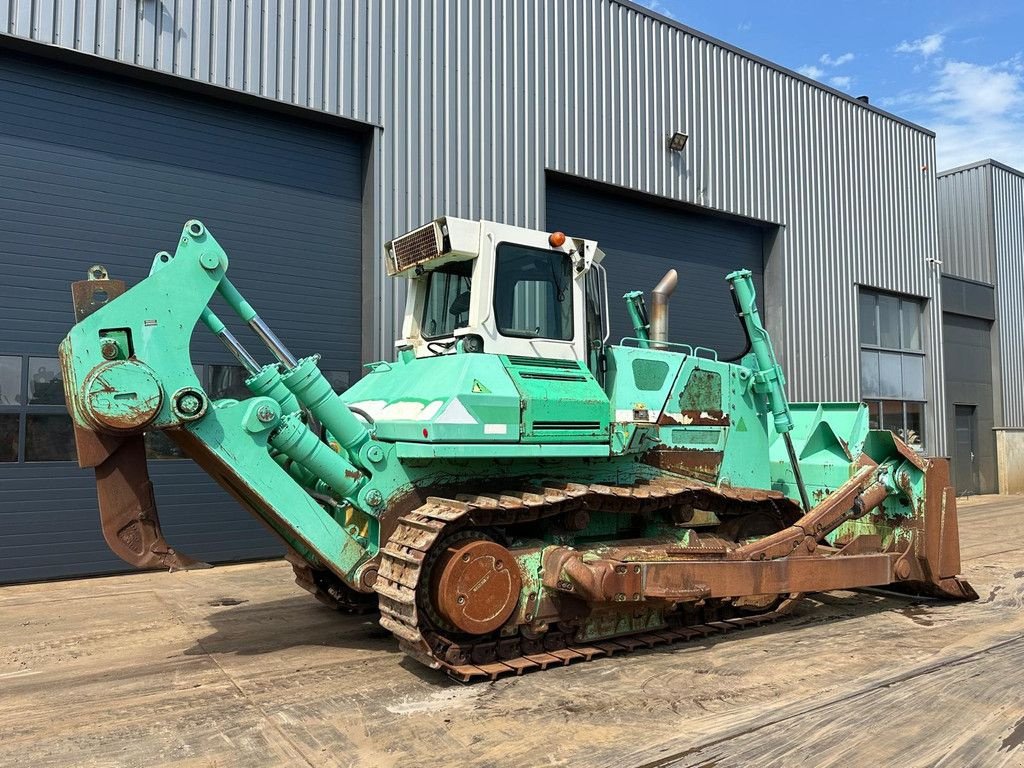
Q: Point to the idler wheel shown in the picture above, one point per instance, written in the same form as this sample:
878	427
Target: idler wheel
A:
476	585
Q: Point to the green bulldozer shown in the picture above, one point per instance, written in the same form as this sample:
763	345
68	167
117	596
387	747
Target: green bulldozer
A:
512	492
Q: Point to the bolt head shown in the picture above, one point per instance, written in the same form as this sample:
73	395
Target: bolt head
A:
265	414
189	404
374	498
109	349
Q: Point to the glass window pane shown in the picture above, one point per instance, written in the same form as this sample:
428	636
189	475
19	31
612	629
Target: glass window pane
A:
160	446
890	374
45	382
868	318
49	437
533	293
914	436
228	381
9	436
913	377
874	414
889	321
339	380
10	381
911	317
447	304
892	415
869	374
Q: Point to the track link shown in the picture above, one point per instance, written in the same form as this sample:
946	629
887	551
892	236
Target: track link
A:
406	556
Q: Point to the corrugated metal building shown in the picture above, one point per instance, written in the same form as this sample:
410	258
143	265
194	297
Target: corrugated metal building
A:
981	242
308	133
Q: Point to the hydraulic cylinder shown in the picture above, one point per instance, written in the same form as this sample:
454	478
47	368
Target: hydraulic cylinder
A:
308	384
296	441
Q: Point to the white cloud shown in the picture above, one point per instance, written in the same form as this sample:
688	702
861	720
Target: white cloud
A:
928	45
838	61
976	111
811	71
972	91
979	113
843	82
658	7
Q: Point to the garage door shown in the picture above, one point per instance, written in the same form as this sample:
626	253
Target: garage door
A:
96	169
644	240
967	349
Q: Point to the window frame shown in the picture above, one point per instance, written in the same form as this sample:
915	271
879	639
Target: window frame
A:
25	409
426	298
903	350
569	289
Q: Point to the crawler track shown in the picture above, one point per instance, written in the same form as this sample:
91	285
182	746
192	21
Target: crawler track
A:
406	559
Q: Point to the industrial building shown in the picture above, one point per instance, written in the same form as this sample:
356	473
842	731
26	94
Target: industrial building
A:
981	244
306	135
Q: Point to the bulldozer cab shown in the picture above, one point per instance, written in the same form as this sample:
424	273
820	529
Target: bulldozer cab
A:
478	286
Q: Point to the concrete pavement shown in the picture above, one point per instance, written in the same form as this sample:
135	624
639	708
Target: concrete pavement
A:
235	666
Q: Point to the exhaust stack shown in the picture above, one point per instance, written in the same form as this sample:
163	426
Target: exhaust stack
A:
659	308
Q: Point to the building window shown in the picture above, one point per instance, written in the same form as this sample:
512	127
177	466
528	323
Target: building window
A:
892	364
34	422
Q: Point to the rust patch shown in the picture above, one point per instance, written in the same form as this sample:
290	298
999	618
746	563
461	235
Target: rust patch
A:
700	464
695	418
703	392
91	295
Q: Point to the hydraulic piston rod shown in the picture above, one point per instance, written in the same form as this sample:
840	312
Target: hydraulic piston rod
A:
245	311
240	353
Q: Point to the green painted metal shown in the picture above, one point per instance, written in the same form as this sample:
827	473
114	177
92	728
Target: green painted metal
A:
416	424
561	401
768	376
638	316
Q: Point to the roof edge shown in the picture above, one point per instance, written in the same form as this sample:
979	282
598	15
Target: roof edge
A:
981	164
644	10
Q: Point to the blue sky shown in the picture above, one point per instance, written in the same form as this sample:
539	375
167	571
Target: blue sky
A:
954	67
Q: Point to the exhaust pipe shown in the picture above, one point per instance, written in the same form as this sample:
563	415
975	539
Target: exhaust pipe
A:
659	308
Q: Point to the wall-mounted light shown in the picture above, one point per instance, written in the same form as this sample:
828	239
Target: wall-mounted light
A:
677	141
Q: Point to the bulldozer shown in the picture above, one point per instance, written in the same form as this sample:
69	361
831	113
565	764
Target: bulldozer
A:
512	491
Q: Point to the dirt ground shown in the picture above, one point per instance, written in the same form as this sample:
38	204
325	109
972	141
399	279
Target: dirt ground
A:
235	666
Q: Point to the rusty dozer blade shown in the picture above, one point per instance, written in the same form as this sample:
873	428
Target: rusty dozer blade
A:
128	516
923	560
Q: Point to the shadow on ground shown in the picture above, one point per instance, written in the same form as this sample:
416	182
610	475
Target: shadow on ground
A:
257	628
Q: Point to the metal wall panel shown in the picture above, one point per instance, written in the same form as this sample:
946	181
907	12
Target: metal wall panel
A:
642	241
476	98
97	169
1008	226
966	242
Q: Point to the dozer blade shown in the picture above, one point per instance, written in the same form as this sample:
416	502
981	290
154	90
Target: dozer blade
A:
128	513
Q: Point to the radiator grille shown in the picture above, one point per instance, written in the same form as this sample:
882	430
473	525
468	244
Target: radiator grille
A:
417	247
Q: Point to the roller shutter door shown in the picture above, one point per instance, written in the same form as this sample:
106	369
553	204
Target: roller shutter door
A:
643	240
99	169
